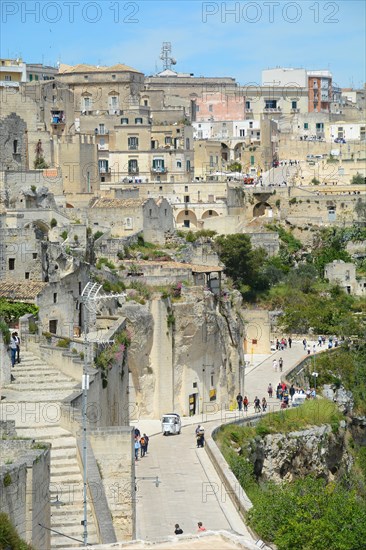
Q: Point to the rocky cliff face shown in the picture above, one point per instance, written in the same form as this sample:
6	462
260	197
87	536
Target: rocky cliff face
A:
187	347
316	451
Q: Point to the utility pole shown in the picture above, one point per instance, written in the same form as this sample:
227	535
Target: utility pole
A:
90	297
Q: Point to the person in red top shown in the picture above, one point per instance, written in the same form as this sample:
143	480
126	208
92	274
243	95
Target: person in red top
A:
200	526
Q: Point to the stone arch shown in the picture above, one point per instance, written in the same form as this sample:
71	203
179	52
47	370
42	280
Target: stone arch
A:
238	150
262	209
186	218
209	214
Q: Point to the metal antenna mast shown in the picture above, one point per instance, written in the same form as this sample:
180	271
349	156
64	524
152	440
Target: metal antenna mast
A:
166	56
90	297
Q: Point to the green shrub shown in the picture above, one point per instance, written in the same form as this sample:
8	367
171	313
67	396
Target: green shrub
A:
97	234
4	329
64	235
106	262
9	538
53	222
358	179
63	343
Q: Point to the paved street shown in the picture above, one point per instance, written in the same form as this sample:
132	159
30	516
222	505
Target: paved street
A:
188	479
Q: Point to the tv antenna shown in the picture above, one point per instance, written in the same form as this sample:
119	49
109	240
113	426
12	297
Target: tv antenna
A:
166	56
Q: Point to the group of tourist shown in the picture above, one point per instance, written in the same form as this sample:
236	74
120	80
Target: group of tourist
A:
243	403
282	344
179	531
141	444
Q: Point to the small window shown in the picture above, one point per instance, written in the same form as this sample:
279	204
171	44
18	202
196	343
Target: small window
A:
210	108
242	132
55	297
187	143
186	212
186	198
124	120
160	188
133	143
186	223
247	104
26	275
11	264
15	146
138	120
146	103
113	77
179	164
168	140
186	188
7	78
34	255
250	124
306	125
293	104
85	77
210	212
150	212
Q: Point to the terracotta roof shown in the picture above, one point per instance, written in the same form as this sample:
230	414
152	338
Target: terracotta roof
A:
176	265
83	68
104	202
21	290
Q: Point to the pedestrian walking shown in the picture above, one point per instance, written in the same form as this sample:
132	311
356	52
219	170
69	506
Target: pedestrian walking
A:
304	343
264	404
146	441
137	448
245	403
280	363
320	341
178	530
289	342
17	339
275	365
13	348
257	404
270	391
314	348
239	400
143	446
201	527
292	391
309	350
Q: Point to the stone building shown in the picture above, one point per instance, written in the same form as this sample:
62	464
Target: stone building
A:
344	274
126	217
25	493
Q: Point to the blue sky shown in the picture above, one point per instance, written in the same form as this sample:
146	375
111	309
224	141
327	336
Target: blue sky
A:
214	38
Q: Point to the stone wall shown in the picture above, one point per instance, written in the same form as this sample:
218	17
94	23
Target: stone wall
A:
113	450
5	364
25	497
13	143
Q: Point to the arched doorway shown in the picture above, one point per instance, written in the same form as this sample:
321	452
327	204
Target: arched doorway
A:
262	209
209	214
186	219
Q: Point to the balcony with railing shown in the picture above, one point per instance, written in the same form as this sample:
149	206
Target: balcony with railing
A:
159	170
272	109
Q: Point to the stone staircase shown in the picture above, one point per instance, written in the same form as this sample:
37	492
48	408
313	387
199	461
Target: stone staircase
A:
33	401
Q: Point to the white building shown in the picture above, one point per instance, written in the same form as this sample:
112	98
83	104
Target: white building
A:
350	132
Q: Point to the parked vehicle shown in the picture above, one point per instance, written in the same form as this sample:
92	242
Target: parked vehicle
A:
298	399
339	140
171	424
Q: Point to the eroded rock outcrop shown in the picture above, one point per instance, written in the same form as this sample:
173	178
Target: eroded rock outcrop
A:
185	354
316	451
